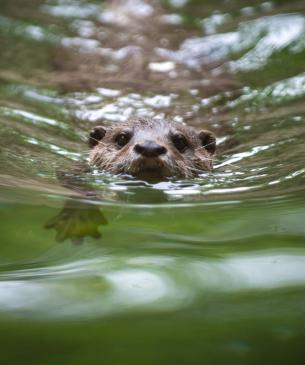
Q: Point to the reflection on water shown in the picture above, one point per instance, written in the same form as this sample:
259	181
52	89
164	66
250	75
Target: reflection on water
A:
114	283
152	272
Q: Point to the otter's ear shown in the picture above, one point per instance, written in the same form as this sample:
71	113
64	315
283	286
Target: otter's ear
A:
96	135
208	141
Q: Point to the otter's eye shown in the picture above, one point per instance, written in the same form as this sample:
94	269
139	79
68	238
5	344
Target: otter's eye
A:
122	139
180	142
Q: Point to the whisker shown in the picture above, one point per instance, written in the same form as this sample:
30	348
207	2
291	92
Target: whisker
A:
208	144
98	141
223	162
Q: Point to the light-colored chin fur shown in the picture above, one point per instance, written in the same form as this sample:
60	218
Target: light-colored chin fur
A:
147	168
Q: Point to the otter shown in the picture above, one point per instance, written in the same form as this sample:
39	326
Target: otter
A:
148	149
152	148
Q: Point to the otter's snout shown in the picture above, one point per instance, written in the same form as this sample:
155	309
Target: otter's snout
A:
150	149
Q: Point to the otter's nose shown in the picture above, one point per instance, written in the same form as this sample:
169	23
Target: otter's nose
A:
150	149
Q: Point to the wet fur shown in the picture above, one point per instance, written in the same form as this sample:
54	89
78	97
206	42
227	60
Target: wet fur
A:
108	156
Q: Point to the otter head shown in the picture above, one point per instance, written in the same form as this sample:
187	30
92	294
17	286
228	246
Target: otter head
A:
152	149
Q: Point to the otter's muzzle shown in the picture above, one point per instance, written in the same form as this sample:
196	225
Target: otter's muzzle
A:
150	149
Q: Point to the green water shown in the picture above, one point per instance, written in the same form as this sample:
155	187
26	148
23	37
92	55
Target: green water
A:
202	271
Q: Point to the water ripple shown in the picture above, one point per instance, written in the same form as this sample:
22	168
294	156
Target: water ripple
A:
114	284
